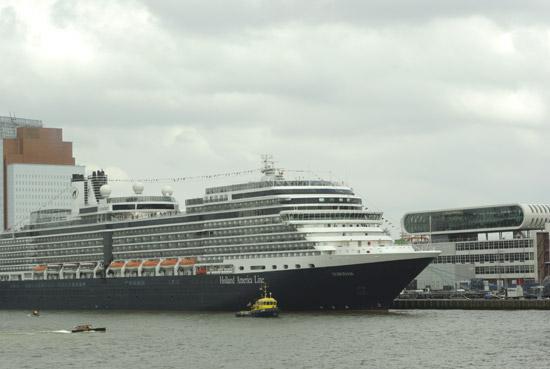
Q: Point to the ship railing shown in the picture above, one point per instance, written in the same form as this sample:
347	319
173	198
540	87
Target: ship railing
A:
423	247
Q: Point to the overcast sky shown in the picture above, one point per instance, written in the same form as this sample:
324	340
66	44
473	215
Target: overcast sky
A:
415	104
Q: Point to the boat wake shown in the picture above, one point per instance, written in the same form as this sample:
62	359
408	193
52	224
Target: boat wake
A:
58	331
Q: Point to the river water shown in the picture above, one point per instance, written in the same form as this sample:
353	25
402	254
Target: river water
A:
397	339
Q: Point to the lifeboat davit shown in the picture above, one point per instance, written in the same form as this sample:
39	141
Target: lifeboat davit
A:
70	268
53	268
168	263
87	266
150	263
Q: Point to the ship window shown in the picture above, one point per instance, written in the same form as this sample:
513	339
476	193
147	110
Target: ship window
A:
241	268
274	267
257	267
298	266
286	266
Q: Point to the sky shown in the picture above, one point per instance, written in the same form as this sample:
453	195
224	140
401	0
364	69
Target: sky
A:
417	105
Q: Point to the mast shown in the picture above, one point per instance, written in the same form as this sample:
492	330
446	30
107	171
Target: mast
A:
270	172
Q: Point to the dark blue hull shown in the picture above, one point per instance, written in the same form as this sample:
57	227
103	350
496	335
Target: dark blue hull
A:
363	286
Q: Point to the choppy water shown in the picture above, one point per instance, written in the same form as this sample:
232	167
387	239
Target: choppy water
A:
400	339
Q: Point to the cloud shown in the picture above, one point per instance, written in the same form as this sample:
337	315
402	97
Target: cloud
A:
513	107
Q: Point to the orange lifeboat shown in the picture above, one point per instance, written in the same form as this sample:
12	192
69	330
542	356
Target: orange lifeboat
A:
188	261
116	264
150	263
133	264
168	263
40	268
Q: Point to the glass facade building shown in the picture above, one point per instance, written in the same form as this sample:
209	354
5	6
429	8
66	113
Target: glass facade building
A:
478	219
464	219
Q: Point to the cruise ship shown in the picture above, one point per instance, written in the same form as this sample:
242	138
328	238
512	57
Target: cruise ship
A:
312	242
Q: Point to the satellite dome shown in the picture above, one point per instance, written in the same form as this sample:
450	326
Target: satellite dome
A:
105	191
138	188
167	191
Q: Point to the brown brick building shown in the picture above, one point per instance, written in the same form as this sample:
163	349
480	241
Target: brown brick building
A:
37	165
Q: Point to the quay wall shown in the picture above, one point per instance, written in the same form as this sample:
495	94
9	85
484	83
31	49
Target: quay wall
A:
472	304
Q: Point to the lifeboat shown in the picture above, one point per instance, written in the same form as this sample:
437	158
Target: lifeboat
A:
133	264
116	264
168	263
201	270
40	268
188	261
150	263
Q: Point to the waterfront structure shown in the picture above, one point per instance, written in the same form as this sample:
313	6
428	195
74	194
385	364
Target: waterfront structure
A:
36	165
311	241
502	245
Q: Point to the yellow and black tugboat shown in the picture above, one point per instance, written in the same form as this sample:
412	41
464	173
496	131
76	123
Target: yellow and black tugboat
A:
264	307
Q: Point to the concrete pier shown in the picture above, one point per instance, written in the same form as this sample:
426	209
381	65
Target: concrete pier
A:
472	304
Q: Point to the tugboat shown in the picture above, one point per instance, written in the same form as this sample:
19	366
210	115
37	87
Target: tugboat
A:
87	328
264	307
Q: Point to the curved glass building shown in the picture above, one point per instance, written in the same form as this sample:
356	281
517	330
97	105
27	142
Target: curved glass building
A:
493	218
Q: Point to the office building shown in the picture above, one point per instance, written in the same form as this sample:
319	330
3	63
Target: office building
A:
36	170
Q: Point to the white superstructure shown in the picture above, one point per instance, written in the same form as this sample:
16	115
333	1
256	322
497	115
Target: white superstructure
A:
272	225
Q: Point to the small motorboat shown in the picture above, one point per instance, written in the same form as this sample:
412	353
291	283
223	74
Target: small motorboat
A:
87	328
264	307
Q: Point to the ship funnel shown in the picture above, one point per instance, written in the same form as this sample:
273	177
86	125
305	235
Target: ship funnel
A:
78	191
